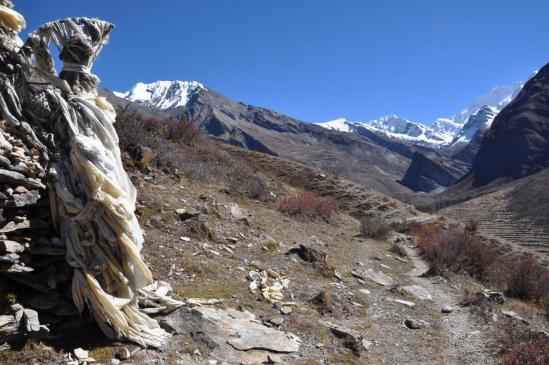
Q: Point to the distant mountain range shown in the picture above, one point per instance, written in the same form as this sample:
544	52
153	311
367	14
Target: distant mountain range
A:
367	159
441	133
453	132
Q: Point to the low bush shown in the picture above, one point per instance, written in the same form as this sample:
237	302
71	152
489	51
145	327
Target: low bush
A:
458	250
455	250
174	145
308	205
471	226
527	280
374	227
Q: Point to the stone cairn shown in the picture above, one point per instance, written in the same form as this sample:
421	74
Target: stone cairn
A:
69	239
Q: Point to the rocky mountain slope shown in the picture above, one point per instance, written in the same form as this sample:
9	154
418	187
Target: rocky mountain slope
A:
433	171
517	211
163	95
377	307
496	98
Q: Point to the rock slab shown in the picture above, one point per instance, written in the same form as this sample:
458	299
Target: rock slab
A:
234	336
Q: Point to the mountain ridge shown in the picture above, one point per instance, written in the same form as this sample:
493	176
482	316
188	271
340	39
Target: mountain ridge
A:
361	158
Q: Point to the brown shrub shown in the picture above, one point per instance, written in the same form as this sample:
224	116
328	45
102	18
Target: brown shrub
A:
526	279
174	145
308	205
132	131
458	250
455	250
531	352
184	131
374	227
471	226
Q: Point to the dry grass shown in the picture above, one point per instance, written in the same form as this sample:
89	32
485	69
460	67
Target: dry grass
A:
308	205
521	346
374	227
31	353
243	181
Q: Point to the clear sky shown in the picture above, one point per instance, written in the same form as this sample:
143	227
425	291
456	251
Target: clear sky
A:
317	60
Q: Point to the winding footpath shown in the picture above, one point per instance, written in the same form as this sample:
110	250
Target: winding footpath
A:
467	343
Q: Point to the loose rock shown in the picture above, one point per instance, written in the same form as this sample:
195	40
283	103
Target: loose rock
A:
412	324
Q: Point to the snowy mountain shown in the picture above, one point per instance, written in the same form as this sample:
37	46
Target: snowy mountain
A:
393	126
460	128
163	95
497	98
340	124
477	123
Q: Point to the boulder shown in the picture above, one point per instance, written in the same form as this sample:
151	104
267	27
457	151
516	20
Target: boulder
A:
30	321
8	327
352	340
418	292
316	257
80	354
412	324
184	214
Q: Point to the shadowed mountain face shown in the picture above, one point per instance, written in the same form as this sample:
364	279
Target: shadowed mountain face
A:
517	144
430	172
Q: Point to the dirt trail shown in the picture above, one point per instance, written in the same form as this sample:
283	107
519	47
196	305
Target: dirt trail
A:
466	335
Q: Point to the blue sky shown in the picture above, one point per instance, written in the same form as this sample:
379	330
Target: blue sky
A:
317	60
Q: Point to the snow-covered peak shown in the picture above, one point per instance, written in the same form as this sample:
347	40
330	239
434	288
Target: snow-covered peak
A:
163	94
404	129
476	123
496	98
340	124
499	96
391	126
